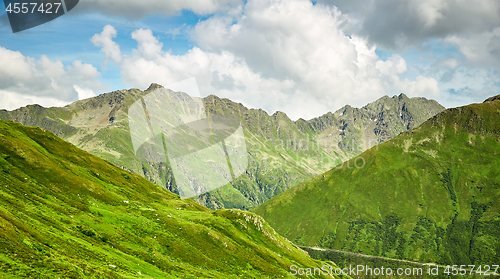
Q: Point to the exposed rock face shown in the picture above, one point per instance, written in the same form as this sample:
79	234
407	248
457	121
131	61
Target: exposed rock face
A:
281	152
357	129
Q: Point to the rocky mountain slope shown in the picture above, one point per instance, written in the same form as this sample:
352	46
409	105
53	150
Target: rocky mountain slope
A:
281	152
431	194
65	213
350	131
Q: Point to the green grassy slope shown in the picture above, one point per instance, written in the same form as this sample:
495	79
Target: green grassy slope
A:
431	194
66	213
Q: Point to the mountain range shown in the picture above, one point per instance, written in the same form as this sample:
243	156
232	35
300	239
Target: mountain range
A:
431	194
282	153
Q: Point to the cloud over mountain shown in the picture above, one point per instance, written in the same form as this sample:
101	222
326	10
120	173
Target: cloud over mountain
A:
299	56
24	79
279	55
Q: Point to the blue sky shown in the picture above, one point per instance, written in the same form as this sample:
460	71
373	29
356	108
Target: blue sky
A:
295	56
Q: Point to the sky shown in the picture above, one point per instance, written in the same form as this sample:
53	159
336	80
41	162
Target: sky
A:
302	57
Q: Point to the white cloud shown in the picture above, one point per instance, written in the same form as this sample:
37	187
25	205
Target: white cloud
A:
14	67
12	100
421	86
105	41
84	93
295	56
481	49
395	65
279	55
25	80
446	29
149	47
306	43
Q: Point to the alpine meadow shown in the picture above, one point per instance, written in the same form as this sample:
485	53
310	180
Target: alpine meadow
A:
429	195
66	213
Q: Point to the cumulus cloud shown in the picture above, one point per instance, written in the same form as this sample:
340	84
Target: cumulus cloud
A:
307	43
260	32
481	49
421	86
12	100
394	23
299	56
14	68
139	9
24	80
105	41
84	93
278	55
443	28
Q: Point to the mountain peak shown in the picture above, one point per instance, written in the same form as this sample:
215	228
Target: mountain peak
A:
154	86
403	96
280	115
344	108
